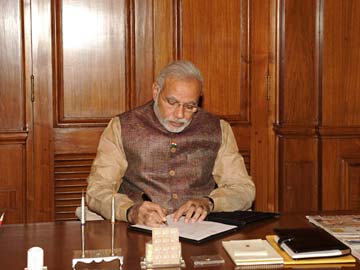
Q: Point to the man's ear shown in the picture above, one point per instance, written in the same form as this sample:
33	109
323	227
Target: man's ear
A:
155	89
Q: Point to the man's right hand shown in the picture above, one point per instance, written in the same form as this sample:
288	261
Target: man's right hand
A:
147	213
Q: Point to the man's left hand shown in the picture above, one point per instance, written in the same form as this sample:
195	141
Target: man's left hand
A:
194	210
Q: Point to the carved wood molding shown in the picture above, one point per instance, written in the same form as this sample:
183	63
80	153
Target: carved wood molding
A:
14	136
340	131
297	130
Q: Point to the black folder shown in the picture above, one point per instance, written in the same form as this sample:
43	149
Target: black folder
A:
309	243
240	218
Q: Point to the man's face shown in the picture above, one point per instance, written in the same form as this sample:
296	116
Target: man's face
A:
176	104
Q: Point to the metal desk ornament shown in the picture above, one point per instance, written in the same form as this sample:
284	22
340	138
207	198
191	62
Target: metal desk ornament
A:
97	255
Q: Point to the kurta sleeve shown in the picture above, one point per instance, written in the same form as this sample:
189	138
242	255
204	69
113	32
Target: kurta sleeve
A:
106	174
235	189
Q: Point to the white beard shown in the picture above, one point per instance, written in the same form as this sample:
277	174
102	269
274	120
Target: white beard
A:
165	121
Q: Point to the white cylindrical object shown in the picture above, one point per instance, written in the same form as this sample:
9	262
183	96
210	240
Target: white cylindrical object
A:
113	209
82	209
35	258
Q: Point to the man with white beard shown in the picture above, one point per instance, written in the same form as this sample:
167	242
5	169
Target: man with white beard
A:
169	157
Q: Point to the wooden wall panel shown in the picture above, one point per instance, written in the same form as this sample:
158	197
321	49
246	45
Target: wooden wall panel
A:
340	105
90	63
262	101
12	69
350	183
298	107
12	179
298	175
154	40
298	63
341	66
340	185
219	44
40	185
15	106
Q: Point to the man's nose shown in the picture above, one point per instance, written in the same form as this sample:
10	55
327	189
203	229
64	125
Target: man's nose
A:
179	111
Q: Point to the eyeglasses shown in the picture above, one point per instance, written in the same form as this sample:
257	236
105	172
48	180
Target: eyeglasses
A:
190	107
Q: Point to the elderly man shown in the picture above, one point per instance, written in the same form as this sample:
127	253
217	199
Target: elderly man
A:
169	157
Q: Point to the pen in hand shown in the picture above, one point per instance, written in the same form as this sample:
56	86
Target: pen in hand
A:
146	198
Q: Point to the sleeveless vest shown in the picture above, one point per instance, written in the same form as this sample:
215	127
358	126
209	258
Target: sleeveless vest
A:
169	167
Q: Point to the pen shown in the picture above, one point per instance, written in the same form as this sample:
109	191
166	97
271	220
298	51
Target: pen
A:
146	198
2	218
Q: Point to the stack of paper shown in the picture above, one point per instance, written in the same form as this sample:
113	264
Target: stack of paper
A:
252	252
346	228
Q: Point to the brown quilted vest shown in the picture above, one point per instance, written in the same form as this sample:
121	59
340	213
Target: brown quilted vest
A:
169	167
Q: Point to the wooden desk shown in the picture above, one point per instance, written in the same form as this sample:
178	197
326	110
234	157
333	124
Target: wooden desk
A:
60	239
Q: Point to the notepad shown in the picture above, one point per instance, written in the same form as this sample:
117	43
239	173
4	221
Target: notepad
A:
252	252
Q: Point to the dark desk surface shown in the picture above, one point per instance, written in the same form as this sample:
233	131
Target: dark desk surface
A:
60	239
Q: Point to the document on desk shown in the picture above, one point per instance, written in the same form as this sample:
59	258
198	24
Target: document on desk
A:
197	232
252	252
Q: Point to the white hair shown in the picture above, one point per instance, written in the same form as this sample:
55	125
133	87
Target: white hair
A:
182	69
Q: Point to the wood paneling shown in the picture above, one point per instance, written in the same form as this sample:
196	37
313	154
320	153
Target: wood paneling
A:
298	63
288	64
341	66
298	108
340	105
40	184
15	103
86	71
350	183
340	173
219	44
298	175
262	101
71	172
12	69
12	180
90	62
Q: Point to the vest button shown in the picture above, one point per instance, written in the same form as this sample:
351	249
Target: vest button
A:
175	196
172	149
172	173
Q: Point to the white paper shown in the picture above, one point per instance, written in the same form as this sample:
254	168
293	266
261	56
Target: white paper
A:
194	231
253	247
233	247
